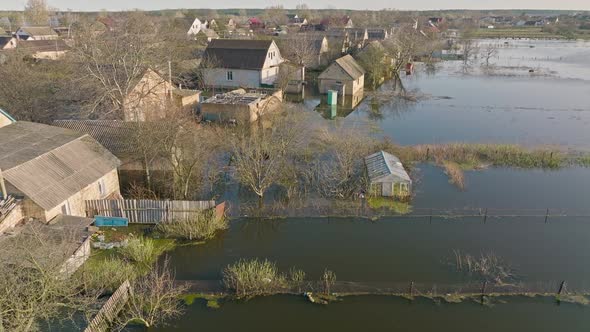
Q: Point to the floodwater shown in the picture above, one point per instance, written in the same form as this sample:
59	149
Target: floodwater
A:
415	248
290	314
548	107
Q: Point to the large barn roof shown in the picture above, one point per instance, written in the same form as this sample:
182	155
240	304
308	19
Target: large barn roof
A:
385	167
238	53
50	164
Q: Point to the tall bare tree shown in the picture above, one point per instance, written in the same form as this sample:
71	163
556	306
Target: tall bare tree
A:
37	12
489	52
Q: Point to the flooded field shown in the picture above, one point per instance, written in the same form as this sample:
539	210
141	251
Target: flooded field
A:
383	314
548	107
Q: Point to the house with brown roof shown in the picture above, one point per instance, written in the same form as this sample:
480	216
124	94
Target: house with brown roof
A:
44	49
53	170
241	63
344	75
36	33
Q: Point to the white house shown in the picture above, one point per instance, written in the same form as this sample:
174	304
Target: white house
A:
241	63
195	27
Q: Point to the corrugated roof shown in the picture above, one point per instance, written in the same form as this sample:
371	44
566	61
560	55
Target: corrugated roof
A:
50	164
39	31
43	45
385	167
349	65
112	134
238	53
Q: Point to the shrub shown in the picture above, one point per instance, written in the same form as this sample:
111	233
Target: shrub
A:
455	174
143	251
248	278
202	227
107	274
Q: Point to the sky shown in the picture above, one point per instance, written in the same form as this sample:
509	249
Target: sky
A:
95	5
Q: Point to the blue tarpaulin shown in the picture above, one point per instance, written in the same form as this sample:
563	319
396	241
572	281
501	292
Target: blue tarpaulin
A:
110	221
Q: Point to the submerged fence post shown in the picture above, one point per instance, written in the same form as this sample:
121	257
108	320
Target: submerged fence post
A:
562	288
412	289
485	215
547	216
430	220
483	290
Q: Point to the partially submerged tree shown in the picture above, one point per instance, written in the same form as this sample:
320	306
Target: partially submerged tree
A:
373	60
489	52
470	49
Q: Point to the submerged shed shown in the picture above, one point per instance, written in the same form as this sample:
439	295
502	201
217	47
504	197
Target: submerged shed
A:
387	175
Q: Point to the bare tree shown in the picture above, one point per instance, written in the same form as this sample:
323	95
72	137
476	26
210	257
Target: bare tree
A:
470	50
34	282
489	52
155	299
260	154
275	15
113	62
37	12
300	49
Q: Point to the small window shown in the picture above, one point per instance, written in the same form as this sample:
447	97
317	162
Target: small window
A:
65	209
230	75
102	190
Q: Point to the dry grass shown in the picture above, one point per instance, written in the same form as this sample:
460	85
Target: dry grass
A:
455	173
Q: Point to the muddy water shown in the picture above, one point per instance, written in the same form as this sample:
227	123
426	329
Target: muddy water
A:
283	313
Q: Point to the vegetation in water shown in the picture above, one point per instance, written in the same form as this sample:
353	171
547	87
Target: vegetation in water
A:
213	300
107	273
202	226
486	266
455	173
249	278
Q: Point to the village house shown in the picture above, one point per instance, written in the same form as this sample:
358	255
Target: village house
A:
240	106
387	176
357	37
293	20
44	49
231	24
7	42
241	63
336	22
54	170
377	34
36	33
255	23
344	75
152	95
203	30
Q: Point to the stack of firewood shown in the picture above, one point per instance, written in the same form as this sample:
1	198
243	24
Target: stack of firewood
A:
6	205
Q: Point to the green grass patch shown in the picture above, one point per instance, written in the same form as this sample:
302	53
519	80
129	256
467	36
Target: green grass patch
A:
390	204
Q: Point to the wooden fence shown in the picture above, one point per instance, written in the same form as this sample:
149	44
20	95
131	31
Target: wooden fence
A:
146	211
109	311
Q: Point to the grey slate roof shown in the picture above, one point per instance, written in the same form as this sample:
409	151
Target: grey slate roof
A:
349	65
385	167
238	53
111	134
49	164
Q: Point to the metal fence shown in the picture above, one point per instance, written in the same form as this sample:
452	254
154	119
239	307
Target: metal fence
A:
147	211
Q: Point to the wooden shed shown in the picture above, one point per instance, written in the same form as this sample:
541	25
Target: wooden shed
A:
387	175
344	75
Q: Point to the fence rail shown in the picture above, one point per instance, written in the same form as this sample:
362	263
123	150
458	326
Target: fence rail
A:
146	211
109	311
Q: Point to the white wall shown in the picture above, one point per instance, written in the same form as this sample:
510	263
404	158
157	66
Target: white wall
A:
241	78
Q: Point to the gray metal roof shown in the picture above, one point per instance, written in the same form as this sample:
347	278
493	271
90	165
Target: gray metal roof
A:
112	134
238	53
385	167
50	164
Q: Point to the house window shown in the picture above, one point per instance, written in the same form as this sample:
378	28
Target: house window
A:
102	189
65	209
230	75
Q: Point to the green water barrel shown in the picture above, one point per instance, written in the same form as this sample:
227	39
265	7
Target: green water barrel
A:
332	97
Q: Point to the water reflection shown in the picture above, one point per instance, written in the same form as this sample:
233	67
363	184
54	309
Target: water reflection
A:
344	107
